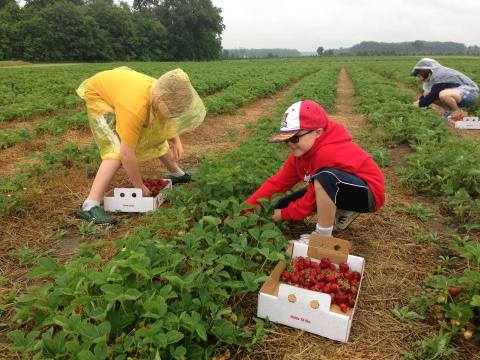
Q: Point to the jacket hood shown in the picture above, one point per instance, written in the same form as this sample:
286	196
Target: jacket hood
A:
441	74
425	64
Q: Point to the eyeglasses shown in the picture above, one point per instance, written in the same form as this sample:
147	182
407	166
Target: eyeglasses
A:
296	138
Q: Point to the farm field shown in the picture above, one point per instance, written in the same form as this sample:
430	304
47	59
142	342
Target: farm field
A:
182	282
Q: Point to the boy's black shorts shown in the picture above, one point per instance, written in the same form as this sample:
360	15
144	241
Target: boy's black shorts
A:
347	191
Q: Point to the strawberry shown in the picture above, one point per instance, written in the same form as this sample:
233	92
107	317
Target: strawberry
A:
357	276
295	278
330	278
344	307
453	291
286	275
343	267
351	303
77	309
347	275
325	263
333	288
341	299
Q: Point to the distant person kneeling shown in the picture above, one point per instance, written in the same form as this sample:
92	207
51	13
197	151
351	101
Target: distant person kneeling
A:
342	180
448	88
134	117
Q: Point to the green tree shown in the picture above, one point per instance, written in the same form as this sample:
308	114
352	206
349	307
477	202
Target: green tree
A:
150	37
10	41
320	50
60	32
117	27
194	29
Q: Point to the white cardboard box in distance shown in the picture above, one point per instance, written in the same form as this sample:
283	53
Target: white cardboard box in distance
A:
467	123
131	200
327	320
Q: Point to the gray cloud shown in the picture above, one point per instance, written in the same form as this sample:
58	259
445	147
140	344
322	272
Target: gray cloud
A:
307	24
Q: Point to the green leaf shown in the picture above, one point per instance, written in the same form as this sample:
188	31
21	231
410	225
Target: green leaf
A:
155	308
178	353
475	300
86	355
114	290
174	336
224	331
233	261
198	323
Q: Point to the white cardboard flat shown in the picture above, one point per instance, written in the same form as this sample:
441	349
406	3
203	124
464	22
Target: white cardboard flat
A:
467	123
326	320
131	200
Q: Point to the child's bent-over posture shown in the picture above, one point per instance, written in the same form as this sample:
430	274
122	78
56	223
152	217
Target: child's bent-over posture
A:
342	180
135	117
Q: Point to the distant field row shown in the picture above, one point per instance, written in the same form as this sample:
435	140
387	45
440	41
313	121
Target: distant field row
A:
27	91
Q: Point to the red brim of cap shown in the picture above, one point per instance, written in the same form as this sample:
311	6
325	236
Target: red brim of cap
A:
282	136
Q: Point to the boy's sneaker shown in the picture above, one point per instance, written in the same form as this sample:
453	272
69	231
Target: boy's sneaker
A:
95	214
343	218
185	178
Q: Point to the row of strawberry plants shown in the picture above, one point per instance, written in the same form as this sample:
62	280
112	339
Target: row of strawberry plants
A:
56	125
176	287
243	86
445	167
262	84
27	91
17	191
433	167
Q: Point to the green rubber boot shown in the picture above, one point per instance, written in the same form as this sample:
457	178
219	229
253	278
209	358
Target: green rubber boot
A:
97	215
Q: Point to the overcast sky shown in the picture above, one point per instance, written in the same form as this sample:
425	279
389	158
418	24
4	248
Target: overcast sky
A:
307	24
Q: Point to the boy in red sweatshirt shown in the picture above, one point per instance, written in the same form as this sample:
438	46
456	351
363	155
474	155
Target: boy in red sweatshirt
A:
342	180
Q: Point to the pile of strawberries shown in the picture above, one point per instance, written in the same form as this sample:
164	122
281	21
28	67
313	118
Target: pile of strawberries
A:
323	276
154	185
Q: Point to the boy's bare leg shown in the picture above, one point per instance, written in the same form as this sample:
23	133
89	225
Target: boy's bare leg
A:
450	99
104	176
441	105
325	207
171	165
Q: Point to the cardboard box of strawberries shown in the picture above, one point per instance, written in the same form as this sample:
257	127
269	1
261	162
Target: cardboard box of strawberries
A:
317	291
129	199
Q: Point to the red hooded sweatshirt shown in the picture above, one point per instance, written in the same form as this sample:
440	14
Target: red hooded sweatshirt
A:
334	149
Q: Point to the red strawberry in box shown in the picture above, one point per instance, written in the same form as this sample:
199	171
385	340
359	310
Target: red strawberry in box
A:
303	272
154	185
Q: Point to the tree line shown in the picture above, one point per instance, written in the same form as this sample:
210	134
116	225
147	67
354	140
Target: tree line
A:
100	30
418	47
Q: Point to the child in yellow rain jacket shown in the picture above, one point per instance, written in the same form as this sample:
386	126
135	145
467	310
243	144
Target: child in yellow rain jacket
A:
134	117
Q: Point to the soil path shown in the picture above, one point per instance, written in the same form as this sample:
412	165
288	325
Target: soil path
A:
389	243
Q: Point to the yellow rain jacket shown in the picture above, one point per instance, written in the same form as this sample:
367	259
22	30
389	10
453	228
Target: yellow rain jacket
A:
119	104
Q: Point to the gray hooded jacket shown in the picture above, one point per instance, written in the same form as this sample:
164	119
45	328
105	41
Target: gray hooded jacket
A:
442	74
441	78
